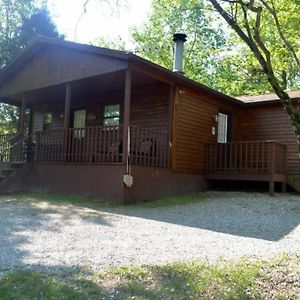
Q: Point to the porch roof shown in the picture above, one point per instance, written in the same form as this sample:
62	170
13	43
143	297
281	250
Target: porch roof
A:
49	62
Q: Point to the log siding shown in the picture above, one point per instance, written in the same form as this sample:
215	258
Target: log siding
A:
193	120
271	122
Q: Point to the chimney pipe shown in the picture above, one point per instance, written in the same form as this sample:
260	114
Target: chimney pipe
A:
179	39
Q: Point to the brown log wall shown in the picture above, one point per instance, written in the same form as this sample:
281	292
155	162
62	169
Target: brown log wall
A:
271	122
150	106
38	117
103	182
193	119
153	183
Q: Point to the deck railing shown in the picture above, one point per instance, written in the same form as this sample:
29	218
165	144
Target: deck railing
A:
267	157
17	149
80	145
6	140
148	147
6	137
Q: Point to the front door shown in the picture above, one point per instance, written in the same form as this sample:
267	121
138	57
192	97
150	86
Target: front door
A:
77	143
223	138
223	128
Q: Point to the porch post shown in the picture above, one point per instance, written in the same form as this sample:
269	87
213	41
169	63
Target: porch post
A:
67	106
126	115
22	116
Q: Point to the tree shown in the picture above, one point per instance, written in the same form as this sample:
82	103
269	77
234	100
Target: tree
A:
211	55
202	60
20	22
40	23
267	32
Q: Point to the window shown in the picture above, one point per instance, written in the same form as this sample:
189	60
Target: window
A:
222	128
79	119
48	121
79	122
111	115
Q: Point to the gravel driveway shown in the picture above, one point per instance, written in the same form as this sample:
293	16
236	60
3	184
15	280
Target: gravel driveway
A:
227	225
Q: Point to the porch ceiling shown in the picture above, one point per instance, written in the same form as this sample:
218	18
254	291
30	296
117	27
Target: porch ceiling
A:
81	89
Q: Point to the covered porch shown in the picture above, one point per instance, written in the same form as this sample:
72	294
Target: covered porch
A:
87	105
247	161
108	119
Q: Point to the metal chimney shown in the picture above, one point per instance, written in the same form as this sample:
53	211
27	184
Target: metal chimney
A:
179	39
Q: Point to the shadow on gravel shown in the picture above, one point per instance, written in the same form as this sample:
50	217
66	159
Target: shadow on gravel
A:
250	215
19	218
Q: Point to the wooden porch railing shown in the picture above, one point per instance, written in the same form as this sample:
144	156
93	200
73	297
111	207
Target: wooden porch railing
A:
267	157
6	137
17	149
148	147
80	145
6	140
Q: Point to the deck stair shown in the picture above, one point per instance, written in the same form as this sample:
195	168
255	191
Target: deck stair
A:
293	180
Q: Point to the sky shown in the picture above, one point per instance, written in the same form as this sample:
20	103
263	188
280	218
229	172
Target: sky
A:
100	20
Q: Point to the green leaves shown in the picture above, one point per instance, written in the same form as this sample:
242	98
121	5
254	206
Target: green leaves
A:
20	21
214	54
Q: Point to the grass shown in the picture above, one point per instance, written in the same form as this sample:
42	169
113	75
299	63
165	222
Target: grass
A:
94	203
193	280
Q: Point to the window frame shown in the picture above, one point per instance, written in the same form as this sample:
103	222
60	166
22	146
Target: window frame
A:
47	125
79	132
117	115
223	137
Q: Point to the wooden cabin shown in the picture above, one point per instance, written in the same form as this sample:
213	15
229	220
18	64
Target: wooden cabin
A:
98	114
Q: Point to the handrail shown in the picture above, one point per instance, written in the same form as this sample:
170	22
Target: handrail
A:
254	141
11	138
246	157
19	142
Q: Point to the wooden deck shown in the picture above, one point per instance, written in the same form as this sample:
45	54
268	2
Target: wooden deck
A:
249	161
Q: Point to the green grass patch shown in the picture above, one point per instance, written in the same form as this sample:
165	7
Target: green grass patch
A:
228	280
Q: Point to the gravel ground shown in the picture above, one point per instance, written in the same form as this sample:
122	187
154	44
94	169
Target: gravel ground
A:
227	225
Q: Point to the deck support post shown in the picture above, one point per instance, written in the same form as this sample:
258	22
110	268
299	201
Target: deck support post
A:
272	169
126	115
283	187
271	187
22	116
67	106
